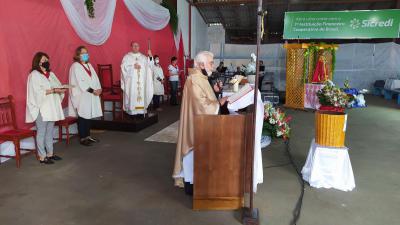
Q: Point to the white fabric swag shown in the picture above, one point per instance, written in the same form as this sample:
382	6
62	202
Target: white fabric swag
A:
149	14
96	30
177	37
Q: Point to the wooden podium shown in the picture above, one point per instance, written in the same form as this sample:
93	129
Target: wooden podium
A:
221	175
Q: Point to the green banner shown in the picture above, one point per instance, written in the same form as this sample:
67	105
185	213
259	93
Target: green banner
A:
363	24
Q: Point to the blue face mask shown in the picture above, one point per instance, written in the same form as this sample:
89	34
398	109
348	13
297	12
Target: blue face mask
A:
85	57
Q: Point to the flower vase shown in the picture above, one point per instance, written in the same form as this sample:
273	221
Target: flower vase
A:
236	87
330	128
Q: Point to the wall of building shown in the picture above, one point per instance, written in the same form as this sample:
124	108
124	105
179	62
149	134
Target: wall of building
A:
198	30
360	63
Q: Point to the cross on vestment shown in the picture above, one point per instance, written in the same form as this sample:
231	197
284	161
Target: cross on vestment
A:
139	97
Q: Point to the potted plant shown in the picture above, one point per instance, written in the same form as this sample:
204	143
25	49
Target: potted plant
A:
330	119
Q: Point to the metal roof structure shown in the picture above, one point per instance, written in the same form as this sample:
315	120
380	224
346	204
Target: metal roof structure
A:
239	16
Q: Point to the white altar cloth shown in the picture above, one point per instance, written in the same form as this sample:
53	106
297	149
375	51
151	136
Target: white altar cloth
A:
328	167
391	84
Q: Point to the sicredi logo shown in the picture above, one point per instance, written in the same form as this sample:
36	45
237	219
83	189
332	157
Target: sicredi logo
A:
355	23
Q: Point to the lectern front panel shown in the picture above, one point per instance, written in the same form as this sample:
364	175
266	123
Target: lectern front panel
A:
219	161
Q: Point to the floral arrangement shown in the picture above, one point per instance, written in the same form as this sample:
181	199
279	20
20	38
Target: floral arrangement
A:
346	84
276	123
332	96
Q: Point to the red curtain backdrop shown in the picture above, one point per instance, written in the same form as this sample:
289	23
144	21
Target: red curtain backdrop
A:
28	26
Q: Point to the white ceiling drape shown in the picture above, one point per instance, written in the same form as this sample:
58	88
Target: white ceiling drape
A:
149	14
177	38
96	30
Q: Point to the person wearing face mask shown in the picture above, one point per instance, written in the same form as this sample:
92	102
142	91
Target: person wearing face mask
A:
43	105
84	98
198	98
173	71
158	83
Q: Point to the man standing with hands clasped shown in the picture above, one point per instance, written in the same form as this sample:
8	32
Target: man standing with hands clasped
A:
136	81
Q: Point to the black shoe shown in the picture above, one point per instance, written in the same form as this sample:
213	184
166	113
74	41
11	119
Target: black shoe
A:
94	140
55	158
46	161
86	142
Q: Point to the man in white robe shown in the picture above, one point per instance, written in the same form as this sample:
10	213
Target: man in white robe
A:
136	81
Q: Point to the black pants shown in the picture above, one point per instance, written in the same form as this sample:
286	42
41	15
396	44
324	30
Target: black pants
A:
188	188
83	127
260	79
174	92
156	101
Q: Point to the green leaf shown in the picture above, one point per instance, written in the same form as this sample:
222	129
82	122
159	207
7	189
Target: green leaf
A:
173	21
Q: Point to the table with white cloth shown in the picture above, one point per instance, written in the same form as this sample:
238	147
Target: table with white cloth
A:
311	100
328	167
8	148
392	83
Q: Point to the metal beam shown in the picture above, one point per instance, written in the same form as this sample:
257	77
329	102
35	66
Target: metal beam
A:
282	2
222	2
221	16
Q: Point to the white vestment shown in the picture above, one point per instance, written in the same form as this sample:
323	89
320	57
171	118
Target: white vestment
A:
81	102
158	75
136	84
49	106
243	102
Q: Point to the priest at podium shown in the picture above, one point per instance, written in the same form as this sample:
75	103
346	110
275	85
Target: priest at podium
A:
136	81
198	98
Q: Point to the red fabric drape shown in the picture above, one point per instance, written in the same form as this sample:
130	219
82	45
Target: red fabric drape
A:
28	26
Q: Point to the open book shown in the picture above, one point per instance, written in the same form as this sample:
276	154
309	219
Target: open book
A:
66	86
242	92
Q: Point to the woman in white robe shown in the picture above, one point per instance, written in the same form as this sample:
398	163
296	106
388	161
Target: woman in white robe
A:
158	83
43	105
84	101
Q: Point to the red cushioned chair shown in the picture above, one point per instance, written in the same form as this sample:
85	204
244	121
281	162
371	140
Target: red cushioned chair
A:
112	92
10	132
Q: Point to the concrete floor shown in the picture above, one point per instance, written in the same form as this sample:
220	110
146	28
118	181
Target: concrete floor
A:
124	180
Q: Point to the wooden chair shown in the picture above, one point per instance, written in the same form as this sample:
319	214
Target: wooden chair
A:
112	92
65	123
10	132
107	83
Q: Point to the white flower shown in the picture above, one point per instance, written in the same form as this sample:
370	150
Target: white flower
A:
272	121
279	133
